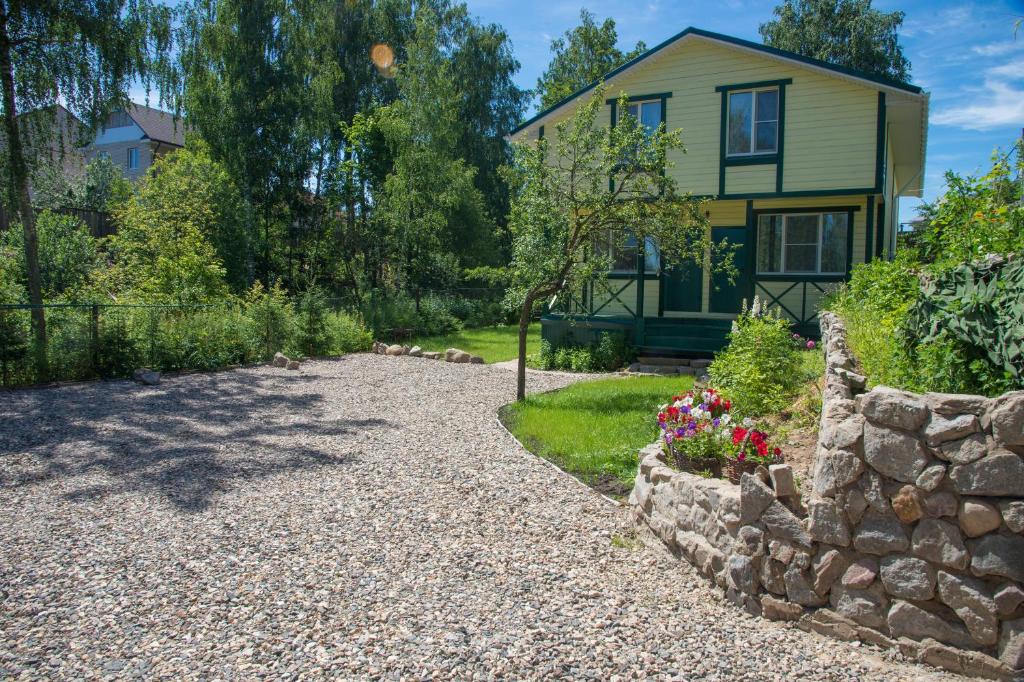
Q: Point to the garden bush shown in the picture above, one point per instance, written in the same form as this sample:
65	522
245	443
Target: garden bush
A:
760	368
610	353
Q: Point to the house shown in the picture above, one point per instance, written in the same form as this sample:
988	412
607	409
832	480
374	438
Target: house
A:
51	137
803	160
135	137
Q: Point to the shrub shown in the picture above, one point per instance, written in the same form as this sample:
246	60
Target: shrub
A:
609	353
346	334
312	314
759	368
272	320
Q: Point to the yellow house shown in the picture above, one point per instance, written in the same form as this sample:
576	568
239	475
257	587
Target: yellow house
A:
803	160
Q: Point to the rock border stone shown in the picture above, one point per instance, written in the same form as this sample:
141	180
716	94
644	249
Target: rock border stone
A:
909	534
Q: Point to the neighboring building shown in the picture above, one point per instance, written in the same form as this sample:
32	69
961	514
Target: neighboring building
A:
52	136
804	161
135	137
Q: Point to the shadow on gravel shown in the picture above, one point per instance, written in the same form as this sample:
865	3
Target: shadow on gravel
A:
183	440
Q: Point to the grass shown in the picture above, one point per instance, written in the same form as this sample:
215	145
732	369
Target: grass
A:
594	429
493	344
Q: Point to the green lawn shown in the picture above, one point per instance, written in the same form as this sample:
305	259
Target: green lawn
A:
493	344
594	429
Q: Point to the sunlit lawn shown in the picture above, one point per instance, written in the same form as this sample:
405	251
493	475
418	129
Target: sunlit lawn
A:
594	429
493	344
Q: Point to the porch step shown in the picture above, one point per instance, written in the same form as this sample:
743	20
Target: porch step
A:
660	370
663	360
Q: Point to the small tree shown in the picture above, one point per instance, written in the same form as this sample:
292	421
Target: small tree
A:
586	194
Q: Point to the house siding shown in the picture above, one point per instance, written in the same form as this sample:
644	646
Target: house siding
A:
118	152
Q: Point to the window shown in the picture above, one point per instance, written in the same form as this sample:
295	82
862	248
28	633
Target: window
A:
624	257
133	158
102	155
753	122
802	243
647	113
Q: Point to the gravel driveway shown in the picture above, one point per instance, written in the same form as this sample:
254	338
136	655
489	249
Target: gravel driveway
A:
361	518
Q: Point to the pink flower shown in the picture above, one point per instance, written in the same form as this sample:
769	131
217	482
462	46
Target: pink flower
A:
810	345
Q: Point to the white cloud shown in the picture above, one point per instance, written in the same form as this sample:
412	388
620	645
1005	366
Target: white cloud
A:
998	49
1000	102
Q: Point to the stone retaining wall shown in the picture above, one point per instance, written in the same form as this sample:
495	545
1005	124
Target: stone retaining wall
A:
910	533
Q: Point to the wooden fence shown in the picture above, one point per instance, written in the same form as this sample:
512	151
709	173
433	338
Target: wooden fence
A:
100	223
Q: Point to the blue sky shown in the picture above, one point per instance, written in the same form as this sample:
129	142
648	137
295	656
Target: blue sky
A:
963	53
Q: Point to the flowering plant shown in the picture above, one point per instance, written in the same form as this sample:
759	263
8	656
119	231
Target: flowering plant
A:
801	342
698	425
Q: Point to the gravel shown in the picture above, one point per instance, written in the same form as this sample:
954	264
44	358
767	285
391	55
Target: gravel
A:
361	518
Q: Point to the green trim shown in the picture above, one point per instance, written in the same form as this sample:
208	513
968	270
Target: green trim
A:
642	98
880	145
880	230
751	244
752	86
801	193
816	209
869	228
780	143
753	160
725	161
638	327
623	275
721	143
540	135
792	56
752	219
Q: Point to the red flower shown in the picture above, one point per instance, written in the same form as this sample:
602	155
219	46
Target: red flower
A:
728	405
777	451
738	434
661	416
762	448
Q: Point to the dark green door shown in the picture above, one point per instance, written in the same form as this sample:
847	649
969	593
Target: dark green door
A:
682	287
726	297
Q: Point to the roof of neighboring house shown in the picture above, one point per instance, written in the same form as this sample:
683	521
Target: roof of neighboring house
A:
158	125
737	42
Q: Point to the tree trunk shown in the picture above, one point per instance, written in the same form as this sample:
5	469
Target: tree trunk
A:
18	192
524	329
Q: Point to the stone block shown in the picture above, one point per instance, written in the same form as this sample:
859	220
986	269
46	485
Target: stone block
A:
783	481
1001	472
963	451
940	504
861	573
864	606
972	601
778	609
416	352
828	565
906	620
854	505
1007	416
894	453
941	429
279	360
800	589
835	469
893	407
953	404
880	534
907	577
476	360
395	350
1008	598
750	541
782	523
931	477
908	504
826	523
999	555
292	365
772	576
781	551
1011	644
1013	514
742	574
847	434
940	543
977	517
871	485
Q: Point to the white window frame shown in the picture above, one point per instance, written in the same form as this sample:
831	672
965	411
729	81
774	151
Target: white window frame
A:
133	156
819	247
753	121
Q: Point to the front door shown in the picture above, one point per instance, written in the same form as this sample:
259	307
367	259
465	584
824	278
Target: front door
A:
682	288
726	297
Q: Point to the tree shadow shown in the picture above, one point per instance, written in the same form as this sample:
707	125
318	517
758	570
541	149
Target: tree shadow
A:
186	440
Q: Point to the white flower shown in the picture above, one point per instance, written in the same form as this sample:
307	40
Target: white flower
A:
748	422
688	400
726	418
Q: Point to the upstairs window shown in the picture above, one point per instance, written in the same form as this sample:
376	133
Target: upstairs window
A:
647	113
133	158
802	243
753	122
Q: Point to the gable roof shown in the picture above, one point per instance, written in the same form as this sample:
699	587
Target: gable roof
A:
876	81
159	126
